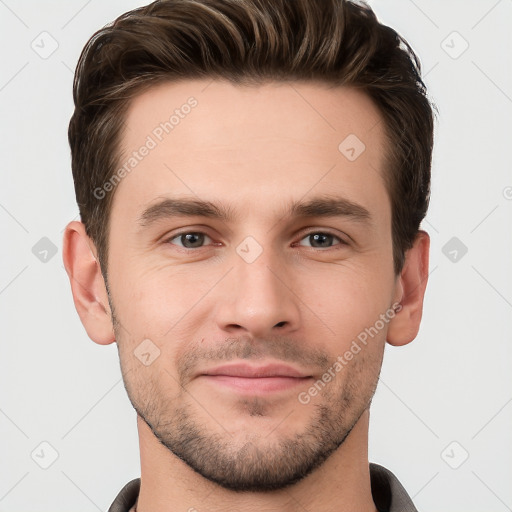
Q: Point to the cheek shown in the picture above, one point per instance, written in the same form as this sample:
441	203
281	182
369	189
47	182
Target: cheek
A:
163	302
158	302
349	303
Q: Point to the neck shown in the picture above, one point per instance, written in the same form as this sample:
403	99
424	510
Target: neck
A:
341	483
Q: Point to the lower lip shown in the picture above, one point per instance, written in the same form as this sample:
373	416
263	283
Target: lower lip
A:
257	384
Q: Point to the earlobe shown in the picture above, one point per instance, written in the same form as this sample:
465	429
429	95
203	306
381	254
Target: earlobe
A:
87	284
410	291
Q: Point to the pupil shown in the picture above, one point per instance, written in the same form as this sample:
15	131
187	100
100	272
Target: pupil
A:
192	238
319	237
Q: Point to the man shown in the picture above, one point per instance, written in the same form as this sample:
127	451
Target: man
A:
251	177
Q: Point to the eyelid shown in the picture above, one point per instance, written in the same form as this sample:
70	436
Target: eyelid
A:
325	232
303	235
168	239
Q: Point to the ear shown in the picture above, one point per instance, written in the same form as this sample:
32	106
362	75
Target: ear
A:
87	284
410	290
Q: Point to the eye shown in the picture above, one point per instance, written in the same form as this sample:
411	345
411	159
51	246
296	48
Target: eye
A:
197	239
189	239
322	239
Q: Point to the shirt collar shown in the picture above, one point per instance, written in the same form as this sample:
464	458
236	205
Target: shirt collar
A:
388	493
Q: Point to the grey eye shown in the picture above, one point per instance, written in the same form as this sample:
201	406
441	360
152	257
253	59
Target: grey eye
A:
190	240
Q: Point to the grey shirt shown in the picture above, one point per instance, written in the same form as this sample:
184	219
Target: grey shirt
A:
388	493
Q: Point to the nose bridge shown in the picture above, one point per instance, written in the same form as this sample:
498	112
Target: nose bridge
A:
258	297
261	276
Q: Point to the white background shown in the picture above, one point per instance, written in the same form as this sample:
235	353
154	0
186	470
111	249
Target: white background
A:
452	384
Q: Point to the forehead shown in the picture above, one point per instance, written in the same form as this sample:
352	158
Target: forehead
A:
217	140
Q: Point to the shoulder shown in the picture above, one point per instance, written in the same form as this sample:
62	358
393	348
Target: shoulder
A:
388	493
127	497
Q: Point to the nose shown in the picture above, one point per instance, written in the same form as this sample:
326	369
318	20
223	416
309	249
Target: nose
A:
258	298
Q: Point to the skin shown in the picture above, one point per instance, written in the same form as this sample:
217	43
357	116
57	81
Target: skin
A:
203	445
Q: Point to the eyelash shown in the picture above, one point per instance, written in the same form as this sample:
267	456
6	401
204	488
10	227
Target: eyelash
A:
322	232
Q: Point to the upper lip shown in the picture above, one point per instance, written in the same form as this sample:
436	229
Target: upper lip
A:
250	371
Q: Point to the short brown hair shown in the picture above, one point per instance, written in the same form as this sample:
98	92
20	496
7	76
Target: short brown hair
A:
338	42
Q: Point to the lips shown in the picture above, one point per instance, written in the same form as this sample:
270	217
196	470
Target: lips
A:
256	372
255	380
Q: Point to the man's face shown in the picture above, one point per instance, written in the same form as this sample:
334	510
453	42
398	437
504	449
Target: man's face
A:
264	286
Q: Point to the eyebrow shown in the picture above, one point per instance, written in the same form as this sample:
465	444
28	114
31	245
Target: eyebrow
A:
325	206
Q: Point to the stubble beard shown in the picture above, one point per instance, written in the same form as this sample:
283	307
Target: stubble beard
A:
254	463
